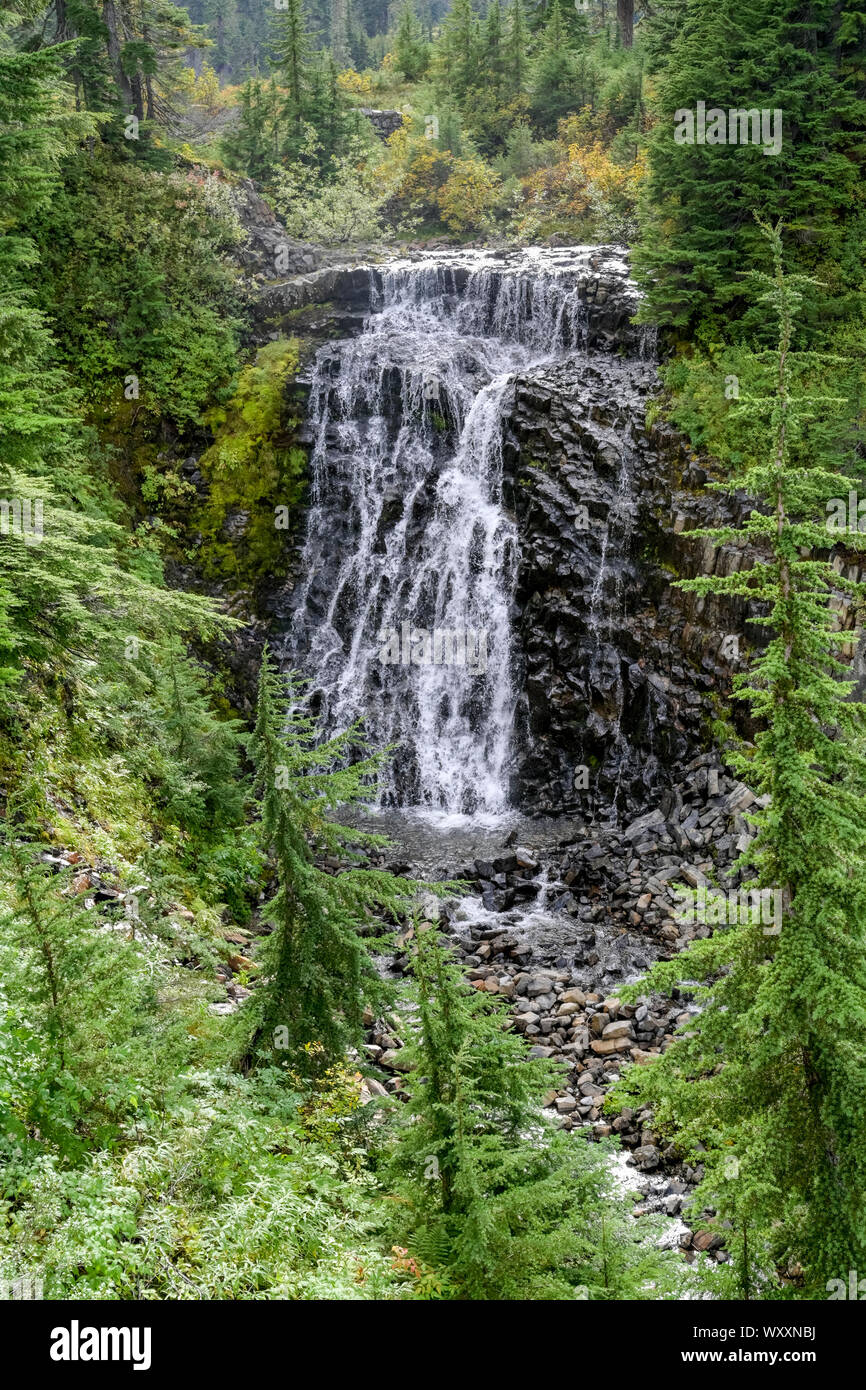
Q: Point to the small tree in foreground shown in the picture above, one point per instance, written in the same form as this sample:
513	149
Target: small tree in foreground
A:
499	1202
318	971
769	1080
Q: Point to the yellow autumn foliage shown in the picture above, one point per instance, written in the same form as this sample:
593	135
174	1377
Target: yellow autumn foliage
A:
355	84
469	195
586	184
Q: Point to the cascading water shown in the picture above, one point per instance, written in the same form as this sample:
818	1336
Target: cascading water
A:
404	617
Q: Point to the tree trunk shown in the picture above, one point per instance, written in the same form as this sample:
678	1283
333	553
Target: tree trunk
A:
112	22
339	32
625	19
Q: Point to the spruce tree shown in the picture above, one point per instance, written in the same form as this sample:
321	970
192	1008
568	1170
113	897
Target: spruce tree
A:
457	54
290	47
553	94
768	1082
515	50
318	970
411	53
492	1196
697	230
494	51
75	588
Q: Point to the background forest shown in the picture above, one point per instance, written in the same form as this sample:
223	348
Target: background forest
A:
161	836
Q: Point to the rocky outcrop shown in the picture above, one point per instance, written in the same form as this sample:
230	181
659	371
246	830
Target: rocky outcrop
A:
596	276
268	251
620	673
352	286
619	668
383	122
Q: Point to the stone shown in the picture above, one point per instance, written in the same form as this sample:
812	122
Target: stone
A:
395	1060
526	860
706	1240
574	996
739	798
539	984
635	832
544	1002
693	876
647	1157
527	1020
621	1029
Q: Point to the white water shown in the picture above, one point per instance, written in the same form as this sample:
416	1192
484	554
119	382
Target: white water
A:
408	525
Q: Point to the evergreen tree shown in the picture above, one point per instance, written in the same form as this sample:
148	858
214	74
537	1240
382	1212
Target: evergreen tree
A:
77	586
411	53
494	51
625	22
499	1201
770	1077
81	1006
553	84
291	55
327	112
698	233
516	67
319	971
221	19
339	32
127	52
456	66
488	110
253	147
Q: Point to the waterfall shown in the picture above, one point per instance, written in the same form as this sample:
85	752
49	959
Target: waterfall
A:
403	616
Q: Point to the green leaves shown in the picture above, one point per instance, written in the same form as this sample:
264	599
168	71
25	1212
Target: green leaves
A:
698	232
504	1205
772	1072
319	969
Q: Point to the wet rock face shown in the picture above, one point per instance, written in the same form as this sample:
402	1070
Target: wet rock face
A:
617	672
617	666
598	276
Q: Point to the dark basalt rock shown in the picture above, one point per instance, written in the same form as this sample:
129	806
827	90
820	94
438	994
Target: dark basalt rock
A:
385	123
618	667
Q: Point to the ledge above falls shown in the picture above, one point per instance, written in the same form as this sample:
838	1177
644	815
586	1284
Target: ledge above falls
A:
598	274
